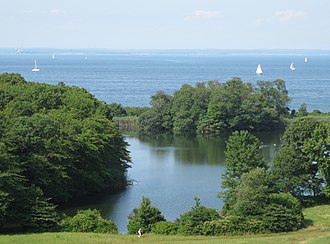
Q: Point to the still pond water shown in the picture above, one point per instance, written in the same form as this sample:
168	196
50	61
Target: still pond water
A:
171	170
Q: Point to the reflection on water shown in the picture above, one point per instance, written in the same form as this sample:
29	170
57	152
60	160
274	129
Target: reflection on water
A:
171	170
188	150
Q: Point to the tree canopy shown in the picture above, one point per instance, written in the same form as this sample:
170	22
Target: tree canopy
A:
302	165
57	144
213	107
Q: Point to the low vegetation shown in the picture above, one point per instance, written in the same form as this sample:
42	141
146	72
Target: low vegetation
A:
88	221
317	230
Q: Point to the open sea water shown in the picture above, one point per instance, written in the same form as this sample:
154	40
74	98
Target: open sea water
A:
131	77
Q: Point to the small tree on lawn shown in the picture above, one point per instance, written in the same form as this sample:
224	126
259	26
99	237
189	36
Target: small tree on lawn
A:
145	216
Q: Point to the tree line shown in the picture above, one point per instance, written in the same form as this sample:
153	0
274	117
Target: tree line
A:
212	108
57	144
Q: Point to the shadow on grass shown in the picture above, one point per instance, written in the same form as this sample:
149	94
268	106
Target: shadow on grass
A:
308	223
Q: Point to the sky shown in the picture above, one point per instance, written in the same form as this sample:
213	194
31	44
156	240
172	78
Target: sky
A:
165	24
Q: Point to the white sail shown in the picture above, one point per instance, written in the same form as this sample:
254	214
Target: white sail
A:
36	68
53	55
259	70
292	67
306	60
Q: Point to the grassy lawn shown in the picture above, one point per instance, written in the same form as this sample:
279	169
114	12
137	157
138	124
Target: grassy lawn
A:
318	231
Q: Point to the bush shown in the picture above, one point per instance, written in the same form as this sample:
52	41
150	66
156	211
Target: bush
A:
278	218
88	221
284	213
165	228
191	223
144	217
229	225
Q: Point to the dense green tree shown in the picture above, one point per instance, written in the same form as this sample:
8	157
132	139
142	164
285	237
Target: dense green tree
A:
256	201
191	222
103	154
302	111
252	192
317	149
114	110
215	107
165	228
301	163
144	217
276	97
12	79
23	206
224	106
238	106
89	220
57	143
242	155
189	105
159	118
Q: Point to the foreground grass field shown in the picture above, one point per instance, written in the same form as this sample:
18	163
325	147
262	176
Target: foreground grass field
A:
317	219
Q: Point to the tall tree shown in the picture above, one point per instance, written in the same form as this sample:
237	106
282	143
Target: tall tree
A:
159	117
302	158
242	155
189	105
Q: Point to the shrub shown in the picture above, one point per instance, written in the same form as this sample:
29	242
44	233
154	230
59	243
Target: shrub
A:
88	221
229	225
284	213
165	228
144	217
191	223
278	218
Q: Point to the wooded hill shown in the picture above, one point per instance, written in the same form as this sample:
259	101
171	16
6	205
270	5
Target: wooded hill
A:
57	143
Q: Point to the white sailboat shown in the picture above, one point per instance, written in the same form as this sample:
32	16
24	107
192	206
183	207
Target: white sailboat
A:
292	67
259	70
306	60
36	68
53	55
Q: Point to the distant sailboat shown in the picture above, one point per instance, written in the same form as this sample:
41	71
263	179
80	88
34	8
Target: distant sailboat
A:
292	67
259	70
306	60
36	68
53	55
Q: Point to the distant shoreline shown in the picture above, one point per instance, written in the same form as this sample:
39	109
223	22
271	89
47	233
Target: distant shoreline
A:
215	51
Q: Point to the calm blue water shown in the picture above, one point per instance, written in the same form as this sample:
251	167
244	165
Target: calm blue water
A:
131	77
171	170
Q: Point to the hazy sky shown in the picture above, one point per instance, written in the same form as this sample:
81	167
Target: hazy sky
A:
237	24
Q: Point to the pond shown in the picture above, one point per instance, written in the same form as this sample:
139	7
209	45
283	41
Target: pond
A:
171	170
